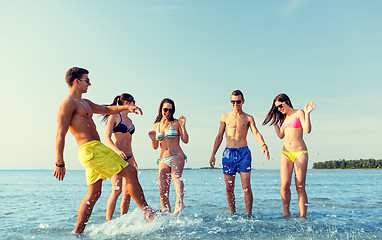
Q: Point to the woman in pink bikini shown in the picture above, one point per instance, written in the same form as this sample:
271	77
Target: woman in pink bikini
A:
290	123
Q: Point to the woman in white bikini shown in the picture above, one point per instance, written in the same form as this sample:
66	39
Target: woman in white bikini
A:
291	123
167	131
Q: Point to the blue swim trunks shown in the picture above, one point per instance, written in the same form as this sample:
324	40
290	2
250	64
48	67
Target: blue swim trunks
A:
236	160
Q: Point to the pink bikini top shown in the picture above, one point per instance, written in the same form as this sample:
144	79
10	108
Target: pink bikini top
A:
294	123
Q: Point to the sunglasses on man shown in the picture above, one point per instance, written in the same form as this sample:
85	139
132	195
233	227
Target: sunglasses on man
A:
86	79
236	101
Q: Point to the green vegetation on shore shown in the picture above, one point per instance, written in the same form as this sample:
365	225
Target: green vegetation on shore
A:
349	164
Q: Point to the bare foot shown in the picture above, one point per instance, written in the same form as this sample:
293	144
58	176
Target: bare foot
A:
149	214
178	209
286	215
304	218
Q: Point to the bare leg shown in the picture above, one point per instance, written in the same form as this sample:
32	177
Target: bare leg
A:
286	170
116	182
86	206
125	203
177	167
133	187
300	168
126	198
164	186
230	189
248	197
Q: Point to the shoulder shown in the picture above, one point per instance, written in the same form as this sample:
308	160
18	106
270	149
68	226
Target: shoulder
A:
176	122
87	101
113	117
155	126
249	117
299	113
68	104
69	100
224	117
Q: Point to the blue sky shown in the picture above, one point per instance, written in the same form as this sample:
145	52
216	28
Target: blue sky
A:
197	53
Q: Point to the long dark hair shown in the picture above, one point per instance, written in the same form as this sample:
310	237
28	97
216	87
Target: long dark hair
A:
159	117
274	114
118	101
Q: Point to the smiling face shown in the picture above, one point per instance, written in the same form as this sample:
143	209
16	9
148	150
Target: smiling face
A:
237	102
167	110
282	107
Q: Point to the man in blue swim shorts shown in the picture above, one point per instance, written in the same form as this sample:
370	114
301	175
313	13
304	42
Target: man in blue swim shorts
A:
100	162
237	156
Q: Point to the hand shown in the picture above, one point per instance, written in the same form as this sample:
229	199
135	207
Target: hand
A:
266	152
135	109
121	154
59	173
309	107
212	161
182	121
152	135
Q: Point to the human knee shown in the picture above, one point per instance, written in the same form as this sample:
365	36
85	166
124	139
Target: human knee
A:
300	188
116	190
247	189
177	175
285	188
93	196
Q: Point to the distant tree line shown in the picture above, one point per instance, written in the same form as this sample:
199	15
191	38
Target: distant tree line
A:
349	164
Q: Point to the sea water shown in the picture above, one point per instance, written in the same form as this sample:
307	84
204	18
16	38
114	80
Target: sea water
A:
343	204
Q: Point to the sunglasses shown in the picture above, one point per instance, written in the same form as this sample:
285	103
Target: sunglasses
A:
168	110
237	101
280	106
86	79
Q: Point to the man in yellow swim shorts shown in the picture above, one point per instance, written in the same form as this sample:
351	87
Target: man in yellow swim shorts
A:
100	162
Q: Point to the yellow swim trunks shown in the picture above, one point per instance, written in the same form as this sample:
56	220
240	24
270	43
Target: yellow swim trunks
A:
100	162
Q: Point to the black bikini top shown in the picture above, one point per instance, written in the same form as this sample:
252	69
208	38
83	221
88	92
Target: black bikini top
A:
123	127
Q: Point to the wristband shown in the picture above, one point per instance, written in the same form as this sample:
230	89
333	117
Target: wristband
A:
264	145
62	165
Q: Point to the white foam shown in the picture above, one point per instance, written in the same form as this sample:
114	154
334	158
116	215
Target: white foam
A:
43	225
133	223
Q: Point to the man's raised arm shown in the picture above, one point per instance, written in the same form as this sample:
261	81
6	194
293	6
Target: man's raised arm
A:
101	109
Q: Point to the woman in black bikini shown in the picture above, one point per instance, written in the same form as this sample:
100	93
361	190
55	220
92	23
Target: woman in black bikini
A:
122	128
